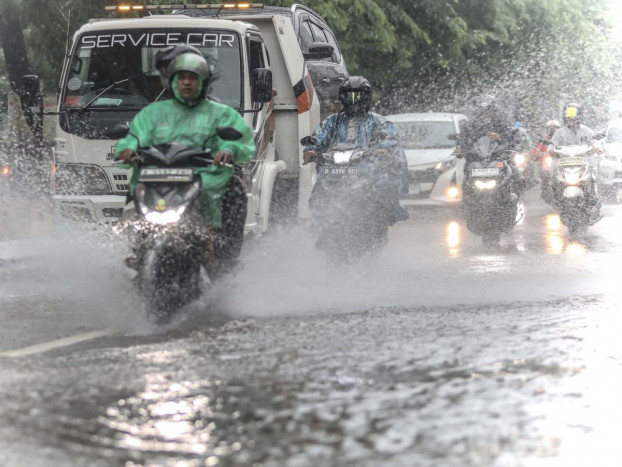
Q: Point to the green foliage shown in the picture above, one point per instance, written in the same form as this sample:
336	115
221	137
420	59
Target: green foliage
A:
423	54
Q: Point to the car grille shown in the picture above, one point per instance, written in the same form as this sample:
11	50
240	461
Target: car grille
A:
421	183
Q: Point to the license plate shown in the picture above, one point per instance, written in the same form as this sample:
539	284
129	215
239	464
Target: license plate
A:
165	175
485	172
345	172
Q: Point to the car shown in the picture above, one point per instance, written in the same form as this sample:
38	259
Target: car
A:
610	167
327	74
435	174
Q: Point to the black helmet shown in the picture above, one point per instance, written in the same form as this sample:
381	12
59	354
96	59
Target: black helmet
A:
572	114
181	57
355	95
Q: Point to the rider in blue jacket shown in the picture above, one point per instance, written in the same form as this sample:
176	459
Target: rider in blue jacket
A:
355	124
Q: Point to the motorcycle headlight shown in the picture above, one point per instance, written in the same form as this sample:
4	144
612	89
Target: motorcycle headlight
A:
328	156
163	218
485	184
520	159
159	213
81	179
573	175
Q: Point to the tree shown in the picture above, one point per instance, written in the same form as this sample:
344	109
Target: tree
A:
423	54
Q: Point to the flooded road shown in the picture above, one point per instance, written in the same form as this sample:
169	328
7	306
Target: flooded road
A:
439	352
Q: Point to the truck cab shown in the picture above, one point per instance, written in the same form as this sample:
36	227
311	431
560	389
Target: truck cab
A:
110	75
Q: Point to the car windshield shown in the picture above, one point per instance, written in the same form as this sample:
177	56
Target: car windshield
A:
426	134
105	57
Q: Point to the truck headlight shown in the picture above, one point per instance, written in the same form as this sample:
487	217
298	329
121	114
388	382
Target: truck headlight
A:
81	179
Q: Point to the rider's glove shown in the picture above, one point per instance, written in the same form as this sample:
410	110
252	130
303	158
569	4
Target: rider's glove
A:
308	156
126	155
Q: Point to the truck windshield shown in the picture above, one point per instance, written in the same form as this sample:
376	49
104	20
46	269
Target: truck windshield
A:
102	58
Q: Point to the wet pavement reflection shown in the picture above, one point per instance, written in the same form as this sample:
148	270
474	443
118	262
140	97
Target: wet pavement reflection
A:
440	351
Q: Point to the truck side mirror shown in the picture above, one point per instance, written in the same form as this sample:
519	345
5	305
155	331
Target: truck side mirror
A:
31	99
118	131
262	85
319	51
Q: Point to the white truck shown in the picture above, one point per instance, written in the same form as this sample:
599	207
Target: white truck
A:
110	75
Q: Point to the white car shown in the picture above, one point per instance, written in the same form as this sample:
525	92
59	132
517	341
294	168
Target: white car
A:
435	174
610	169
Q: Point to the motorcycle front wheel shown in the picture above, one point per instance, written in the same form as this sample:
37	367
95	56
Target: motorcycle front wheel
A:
167	283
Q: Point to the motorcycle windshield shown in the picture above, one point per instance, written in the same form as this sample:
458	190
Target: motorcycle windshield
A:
484	147
170	153
127	57
573	151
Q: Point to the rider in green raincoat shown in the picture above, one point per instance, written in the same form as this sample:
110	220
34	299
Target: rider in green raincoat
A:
191	119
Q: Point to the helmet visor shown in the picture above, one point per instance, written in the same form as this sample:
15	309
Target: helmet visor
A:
571	112
355	98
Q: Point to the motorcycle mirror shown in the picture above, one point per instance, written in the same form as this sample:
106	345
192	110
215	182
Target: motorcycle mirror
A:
118	131
228	133
453	137
308	141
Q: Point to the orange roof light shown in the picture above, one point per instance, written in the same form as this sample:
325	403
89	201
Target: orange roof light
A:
125	8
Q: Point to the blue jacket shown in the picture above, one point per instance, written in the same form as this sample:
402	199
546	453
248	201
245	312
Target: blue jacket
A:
369	131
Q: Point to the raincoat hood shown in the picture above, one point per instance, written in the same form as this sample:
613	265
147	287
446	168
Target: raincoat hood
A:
200	95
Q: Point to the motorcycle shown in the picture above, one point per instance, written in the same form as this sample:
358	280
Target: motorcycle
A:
575	191
490	202
351	201
169	234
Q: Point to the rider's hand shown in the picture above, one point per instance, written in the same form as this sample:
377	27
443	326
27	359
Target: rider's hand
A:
222	157
126	155
493	136
597	150
308	156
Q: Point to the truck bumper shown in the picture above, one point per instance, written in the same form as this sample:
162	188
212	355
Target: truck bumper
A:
106	208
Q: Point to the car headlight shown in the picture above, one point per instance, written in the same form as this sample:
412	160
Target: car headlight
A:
444	166
81	179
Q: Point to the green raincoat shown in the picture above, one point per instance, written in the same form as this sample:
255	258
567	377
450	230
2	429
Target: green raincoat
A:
171	121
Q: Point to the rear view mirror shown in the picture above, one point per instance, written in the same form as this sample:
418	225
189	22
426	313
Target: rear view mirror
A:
76	65
319	51
262	85
118	131
31	99
308	141
228	133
